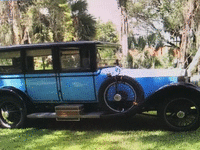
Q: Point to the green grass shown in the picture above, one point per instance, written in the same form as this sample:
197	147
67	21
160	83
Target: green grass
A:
139	133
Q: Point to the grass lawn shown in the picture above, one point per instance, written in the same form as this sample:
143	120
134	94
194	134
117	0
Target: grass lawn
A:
139	133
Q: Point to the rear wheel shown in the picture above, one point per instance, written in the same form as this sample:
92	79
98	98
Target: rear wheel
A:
120	94
180	114
12	113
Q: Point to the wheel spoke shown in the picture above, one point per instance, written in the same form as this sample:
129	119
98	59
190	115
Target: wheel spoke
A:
11	108
116	90
6	107
14	111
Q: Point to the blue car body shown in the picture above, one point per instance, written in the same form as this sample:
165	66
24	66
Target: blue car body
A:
83	87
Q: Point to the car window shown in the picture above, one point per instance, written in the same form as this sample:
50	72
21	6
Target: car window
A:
105	58
10	62
75	58
70	58
39	60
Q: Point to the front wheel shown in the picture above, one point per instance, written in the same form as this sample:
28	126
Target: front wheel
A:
120	94
180	114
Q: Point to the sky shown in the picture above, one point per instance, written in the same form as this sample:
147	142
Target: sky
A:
108	10
105	10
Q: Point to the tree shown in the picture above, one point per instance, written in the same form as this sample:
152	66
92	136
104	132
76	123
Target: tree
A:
36	21
151	40
84	23
11	21
191	28
191	38
106	32
5	26
51	21
148	13
124	26
122	4
179	18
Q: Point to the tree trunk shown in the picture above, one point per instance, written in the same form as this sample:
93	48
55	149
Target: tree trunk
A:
124	35
186	39
193	23
16	23
192	67
26	38
124	31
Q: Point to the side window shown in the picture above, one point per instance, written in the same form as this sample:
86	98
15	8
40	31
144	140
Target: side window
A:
39	60
10	62
70	58
74	58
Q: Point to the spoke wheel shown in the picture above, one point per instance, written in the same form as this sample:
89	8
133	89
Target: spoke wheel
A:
117	99
12	114
120	95
181	114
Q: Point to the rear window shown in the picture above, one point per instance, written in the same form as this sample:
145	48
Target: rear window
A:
10	62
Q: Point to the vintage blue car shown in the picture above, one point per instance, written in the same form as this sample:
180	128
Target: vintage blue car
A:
65	81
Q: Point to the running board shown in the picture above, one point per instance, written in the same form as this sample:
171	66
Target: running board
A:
53	115
42	115
67	112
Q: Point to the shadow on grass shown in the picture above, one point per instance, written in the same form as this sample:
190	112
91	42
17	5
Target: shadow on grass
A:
16	138
39	138
138	122
173	140
139	132
90	133
146	131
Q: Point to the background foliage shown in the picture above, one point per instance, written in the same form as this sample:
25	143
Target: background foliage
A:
36	21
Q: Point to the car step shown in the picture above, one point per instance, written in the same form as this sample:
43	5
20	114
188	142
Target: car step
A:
67	112
53	115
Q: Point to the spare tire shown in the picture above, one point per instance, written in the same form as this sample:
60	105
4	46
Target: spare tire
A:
120	94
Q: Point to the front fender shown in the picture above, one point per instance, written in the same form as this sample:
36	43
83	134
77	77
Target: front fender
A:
172	90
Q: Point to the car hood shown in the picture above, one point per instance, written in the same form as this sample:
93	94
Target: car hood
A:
143	72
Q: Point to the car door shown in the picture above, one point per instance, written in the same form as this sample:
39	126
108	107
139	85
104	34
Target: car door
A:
76	77
41	81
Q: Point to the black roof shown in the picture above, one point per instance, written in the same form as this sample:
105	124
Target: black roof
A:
47	45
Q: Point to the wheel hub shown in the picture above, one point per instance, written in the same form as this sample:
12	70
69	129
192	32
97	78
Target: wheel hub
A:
117	97
180	114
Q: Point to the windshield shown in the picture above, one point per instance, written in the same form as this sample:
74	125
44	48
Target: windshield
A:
107	57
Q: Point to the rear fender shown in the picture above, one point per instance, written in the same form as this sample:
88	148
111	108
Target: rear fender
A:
23	97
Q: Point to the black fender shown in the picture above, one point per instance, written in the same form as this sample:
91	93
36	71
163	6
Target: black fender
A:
23	97
175	89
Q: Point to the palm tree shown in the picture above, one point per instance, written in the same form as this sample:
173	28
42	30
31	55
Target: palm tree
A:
84	23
